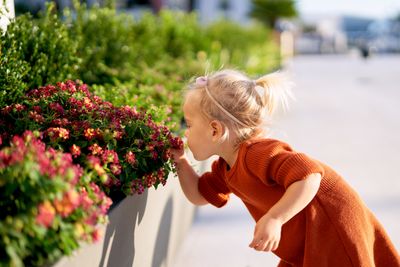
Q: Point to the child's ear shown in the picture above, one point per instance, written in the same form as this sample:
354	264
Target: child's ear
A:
217	130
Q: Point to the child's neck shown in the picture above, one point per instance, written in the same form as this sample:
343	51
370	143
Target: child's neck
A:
229	153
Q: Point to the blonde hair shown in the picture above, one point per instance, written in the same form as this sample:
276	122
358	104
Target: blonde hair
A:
240	103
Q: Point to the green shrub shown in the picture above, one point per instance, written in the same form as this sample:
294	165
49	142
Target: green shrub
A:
249	48
143	62
104	44
35	52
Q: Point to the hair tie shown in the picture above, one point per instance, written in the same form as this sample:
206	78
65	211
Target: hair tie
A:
201	81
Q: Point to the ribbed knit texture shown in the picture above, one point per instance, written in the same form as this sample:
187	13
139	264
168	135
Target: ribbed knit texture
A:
335	229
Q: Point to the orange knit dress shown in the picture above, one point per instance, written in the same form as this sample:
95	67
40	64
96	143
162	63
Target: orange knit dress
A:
336	229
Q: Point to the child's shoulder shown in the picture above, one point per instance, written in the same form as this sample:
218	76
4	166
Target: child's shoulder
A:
262	144
261	149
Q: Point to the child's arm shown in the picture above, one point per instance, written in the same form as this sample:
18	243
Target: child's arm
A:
188	178
297	196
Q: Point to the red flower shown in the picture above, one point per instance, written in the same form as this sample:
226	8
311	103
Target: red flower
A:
57	108
57	132
75	150
110	156
46	214
86	201
96	235
115	169
176	143
68	203
130	158
36	117
89	133
96	149
118	135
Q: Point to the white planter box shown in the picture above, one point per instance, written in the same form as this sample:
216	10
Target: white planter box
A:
144	230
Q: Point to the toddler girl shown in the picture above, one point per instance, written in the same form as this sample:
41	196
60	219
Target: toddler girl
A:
304	211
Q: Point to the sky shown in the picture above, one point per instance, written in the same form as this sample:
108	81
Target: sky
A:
365	8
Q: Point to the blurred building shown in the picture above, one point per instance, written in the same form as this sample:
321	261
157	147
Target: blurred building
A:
208	10
320	34
338	34
384	36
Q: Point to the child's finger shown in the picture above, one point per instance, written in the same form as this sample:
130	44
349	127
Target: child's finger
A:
255	242
275	246
262	246
269	246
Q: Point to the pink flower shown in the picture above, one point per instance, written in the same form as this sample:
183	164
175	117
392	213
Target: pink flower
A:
19	107
68	203
154	155
96	149
46	214
110	156
71	86
86	201
118	135
176	143
6	110
62	86
36	117
37	109
75	150
115	169
89	133
155	136
57	108
130	158
83	88
96	235
57	132
88	103
106	203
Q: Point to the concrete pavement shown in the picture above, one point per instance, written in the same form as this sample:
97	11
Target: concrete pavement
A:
346	114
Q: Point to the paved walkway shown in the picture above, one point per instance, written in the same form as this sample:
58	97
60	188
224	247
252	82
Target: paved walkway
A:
347	114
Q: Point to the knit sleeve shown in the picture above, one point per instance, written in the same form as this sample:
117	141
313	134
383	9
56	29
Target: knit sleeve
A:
213	187
275	162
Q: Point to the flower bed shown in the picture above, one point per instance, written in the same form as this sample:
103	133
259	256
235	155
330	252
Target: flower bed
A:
95	150
48	203
125	148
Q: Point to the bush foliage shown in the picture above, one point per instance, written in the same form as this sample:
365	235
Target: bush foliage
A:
143	62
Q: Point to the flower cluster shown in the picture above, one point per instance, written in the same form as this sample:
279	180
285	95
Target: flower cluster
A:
124	148
48	203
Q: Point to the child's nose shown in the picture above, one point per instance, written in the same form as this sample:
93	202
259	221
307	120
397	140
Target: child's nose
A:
186	133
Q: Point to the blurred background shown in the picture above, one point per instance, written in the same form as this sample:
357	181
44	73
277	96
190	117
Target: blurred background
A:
344	57
316	27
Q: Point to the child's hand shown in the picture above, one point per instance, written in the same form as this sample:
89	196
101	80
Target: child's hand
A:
267	234
177	151
177	154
